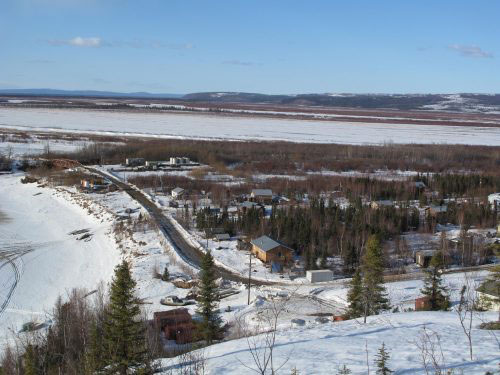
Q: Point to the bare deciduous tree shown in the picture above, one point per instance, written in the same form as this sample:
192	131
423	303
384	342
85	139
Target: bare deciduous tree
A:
262	344
465	309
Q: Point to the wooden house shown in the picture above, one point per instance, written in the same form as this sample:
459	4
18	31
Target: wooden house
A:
175	324
262	195
271	251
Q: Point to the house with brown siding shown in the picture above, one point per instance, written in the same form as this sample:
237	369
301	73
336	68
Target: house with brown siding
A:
175	324
271	251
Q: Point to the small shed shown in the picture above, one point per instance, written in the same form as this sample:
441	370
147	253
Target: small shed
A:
175	324
423	257
422	304
318	276
177	192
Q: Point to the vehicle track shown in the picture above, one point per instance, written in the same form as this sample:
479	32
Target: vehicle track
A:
11	254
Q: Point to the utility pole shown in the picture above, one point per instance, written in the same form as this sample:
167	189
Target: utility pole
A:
249	275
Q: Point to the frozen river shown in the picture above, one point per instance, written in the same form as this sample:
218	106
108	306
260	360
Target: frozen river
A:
208	126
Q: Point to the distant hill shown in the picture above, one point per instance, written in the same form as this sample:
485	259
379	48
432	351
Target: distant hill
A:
449	102
474	103
86	93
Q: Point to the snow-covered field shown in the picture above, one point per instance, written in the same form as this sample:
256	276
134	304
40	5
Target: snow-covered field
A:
206	126
325	348
40	219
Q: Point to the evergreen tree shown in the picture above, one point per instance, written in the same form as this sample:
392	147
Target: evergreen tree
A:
30	361
166	275
381	361
433	288
94	358
123	331
344	371
210	326
374	295
355	297
495	277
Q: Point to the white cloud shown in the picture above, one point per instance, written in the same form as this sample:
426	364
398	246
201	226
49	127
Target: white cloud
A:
77	42
238	62
470	51
98	42
85	42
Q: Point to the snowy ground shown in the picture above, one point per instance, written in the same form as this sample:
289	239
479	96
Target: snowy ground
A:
402	294
40	219
205	126
325	348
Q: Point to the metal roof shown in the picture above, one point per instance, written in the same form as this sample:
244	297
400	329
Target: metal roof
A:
262	192
265	243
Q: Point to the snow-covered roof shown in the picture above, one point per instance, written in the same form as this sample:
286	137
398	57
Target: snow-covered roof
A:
439	208
177	190
262	192
248	204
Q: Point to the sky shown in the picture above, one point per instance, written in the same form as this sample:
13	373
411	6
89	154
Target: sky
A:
265	46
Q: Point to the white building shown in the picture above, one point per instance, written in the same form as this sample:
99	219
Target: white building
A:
179	160
319	276
494	199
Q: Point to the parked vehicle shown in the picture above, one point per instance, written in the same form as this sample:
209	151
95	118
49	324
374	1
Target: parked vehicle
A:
175	301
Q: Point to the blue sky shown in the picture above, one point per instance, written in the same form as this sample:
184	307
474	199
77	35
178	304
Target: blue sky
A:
268	46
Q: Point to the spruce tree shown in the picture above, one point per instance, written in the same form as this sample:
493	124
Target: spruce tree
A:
355	297
210	326
374	294
166	275
123	331
344	371
381	361
433	288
